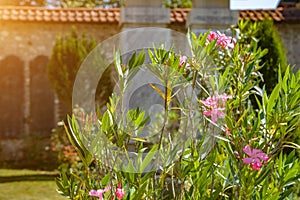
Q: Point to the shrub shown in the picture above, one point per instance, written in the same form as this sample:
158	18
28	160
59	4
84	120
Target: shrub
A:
266	34
67	55
247	161
178	3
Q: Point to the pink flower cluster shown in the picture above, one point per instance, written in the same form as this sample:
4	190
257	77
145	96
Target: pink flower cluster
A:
183	61
256	156
99	192
120	193
214	106
222	40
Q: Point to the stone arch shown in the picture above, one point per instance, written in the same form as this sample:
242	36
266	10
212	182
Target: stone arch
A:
11	97
41	97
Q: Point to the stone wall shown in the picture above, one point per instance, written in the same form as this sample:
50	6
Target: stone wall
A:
27	104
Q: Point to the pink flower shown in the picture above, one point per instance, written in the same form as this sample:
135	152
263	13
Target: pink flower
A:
99	193
222	40
225	41
224	97
212	36
256	156
120	193
227	131
183	61
215	106
215	113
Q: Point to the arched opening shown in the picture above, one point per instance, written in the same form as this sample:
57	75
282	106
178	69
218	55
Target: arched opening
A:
41	97
11	97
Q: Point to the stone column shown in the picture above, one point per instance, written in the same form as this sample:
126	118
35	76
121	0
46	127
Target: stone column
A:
211	14
142	13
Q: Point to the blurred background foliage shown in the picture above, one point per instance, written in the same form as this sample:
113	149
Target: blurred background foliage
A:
266	35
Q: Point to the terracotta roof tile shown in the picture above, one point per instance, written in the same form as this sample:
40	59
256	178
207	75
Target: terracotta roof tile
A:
94	13
71	13
22	18
112	15
47	13
99	15
95	19
46	18
179	15
55	13
258	15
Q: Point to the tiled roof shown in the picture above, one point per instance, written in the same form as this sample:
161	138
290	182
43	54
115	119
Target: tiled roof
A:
100	15
112	15
179	15
258	15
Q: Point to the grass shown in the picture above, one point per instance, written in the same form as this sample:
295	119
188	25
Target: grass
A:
27	190
22	172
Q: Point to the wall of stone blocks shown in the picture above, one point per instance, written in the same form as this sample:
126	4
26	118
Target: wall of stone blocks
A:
28	107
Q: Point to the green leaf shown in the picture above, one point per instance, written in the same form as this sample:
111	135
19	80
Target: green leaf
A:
132	60
105	180
273	97
75	140
148	158
106	121
118	63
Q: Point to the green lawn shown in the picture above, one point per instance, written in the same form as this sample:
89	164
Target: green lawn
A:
27	190
22	172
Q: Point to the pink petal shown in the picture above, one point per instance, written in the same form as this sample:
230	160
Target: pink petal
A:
207	113
212	36
214	118
227	131
182	60
120	193
247	150
93	193
256	165
225	96
214	115
263	156
99	192
106	189
248	160
221	114
231	45
209	102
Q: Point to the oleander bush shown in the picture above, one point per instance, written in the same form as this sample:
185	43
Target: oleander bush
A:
222	146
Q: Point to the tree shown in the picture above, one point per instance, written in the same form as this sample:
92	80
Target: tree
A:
90	3
23	2
275	58
178	3
67	55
